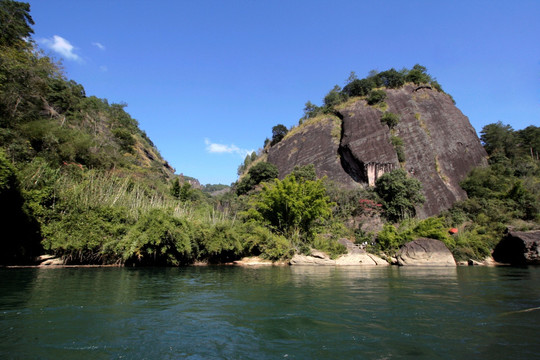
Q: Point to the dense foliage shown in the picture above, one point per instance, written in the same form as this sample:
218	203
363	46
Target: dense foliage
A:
400	194
79	179
258	173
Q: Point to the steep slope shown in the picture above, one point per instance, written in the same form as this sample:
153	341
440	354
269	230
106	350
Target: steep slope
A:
438	143
315	142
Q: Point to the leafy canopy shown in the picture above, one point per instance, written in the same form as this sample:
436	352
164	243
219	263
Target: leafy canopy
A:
258	173
278	133
291	206
400	194
15	23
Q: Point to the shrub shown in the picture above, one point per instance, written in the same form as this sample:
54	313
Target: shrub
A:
222	242
376	96
397	142
259	240
85	236
158	238
388	239
330	245
390	119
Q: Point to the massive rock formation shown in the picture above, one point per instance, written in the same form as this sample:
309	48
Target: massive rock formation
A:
439	144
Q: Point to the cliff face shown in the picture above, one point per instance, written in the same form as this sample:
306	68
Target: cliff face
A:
315	142
439	144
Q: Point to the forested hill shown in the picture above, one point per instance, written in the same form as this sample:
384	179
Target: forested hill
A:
55	139
45	115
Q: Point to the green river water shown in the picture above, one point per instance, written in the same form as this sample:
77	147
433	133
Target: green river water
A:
270	313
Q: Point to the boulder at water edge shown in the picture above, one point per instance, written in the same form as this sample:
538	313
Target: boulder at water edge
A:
519	248
356	257
427	252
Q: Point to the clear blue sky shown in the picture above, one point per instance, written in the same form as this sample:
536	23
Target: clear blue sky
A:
207	80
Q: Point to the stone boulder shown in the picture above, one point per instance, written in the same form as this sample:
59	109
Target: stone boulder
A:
355	256
519	248
298	259
256	261
427	252
362	259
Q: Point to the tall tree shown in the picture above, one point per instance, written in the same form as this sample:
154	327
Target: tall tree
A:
292	206
498	138
278	133
400	194
15	23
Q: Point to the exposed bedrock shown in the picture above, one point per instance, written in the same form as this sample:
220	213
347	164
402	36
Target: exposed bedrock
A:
439	144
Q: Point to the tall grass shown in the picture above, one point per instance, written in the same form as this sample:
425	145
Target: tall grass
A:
97	189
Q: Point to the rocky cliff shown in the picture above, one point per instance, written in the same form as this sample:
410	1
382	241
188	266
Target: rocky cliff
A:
355	148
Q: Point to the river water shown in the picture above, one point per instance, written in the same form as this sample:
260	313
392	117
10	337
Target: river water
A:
270	313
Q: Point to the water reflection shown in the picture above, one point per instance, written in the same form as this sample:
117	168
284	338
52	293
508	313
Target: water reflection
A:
267	313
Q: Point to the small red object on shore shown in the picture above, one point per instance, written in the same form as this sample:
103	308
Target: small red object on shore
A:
453	231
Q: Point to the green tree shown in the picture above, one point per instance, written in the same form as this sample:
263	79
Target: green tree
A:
498	138
278	133
125	139
391	79
311	110
63	95
358	87
400	194
186	191
334	98
175	188
291	206
418	75
529	141
260	172
15	23
24	77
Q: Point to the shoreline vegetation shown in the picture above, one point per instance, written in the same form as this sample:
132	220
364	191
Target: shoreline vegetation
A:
79	180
